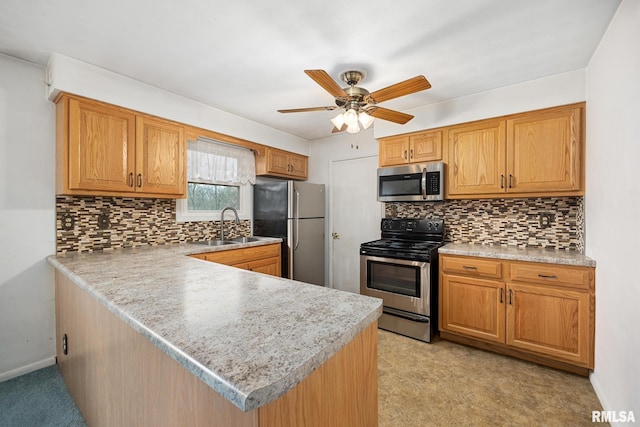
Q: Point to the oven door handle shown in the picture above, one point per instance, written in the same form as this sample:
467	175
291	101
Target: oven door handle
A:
423	183
405	315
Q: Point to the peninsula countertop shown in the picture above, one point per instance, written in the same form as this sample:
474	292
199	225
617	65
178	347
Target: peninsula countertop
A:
549	256
249	336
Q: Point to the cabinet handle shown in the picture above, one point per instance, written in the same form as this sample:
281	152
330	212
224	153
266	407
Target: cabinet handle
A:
501	295
469	267
140	180
501	181
131	179
510	181
510	297
545	276
405	154
411	153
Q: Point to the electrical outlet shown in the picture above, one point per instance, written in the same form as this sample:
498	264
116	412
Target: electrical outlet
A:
103	221
68	222
545	220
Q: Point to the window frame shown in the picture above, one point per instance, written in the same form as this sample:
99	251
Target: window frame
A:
183	214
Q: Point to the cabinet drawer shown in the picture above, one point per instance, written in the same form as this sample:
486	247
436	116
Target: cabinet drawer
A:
472	266
575	277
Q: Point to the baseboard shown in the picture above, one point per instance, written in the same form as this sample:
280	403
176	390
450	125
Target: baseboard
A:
4	376
593	378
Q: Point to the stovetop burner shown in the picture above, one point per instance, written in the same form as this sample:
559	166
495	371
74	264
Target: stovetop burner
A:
413	239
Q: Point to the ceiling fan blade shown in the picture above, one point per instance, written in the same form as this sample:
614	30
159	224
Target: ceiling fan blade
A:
303	110
324	79
390	115
342	129
415	84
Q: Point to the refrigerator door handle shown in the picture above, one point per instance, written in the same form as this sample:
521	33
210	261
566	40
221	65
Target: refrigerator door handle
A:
297	220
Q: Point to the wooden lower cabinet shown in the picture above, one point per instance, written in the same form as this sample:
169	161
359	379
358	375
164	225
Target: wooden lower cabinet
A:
261	259
539	312
117	377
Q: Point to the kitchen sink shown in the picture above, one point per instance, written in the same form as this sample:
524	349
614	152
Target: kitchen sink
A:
245	239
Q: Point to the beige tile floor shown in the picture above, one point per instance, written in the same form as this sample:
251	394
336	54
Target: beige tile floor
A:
446	384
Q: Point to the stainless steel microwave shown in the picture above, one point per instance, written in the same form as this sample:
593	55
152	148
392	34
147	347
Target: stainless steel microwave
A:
420	182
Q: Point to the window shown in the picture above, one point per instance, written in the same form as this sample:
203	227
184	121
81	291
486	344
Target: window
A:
218	175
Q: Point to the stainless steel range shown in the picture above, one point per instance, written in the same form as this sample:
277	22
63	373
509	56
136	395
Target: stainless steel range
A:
402	269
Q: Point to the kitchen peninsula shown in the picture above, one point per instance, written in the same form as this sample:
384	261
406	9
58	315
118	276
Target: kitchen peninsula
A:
152	336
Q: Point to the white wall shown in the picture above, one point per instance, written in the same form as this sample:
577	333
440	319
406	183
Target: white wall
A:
73	76
612	208
27	219
560	89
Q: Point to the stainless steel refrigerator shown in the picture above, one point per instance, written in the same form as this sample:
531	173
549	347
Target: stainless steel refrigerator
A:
293	211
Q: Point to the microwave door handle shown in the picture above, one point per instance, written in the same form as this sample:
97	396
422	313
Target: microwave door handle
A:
424	183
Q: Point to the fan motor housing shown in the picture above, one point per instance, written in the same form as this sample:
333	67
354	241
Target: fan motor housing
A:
356	95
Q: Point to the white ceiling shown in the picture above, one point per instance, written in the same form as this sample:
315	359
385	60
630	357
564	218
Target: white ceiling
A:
247	57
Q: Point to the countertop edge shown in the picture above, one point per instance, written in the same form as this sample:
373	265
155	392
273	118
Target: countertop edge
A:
288	383
518	254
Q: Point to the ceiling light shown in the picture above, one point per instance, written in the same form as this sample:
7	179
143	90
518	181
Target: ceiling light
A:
353	128
351	118
365	120
338	121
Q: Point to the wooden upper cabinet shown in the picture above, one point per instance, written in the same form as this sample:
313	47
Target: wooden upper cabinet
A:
282	163
477	158
411	148
537	153
544	151
104	150
101	147
394	151
160	156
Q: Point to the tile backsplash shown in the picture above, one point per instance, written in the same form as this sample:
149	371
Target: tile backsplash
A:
550	222
88	224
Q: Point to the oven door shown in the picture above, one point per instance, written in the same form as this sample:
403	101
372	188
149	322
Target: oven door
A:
402	284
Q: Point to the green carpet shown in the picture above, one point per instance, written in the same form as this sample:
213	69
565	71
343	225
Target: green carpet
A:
39	398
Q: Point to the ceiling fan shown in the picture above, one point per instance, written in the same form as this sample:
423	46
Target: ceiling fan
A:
361	105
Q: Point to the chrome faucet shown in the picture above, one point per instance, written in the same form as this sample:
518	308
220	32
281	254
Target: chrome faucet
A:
222	220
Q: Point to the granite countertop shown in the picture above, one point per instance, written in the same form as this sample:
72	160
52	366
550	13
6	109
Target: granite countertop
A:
249	336
550	256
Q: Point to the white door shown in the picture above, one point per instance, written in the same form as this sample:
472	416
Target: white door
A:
355	218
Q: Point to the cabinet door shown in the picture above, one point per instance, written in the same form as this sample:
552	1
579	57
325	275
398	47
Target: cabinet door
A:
298	166
425	147
394	151
473	307
267	266
277	162
549	321
101	147
477	158
160	157
544	151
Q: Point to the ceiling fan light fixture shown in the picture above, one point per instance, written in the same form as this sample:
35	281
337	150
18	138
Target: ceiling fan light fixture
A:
353	128
351	117
365	120
338	121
